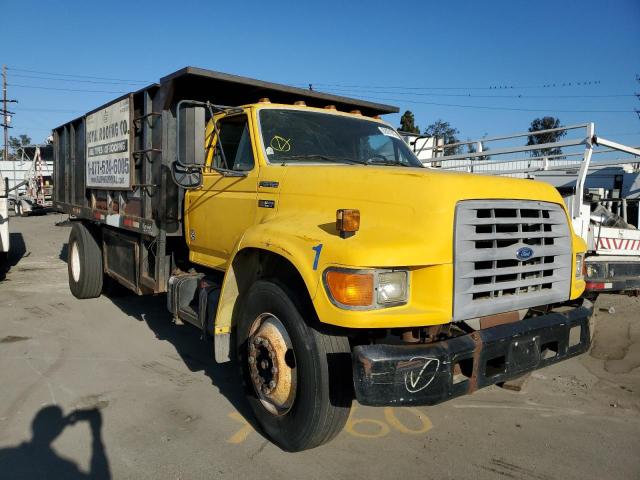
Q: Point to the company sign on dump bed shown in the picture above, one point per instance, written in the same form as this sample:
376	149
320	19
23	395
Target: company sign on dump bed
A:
108	147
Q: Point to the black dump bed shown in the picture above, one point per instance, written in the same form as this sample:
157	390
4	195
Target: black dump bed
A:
136	134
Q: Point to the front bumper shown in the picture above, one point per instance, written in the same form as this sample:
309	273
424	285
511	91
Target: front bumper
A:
428	374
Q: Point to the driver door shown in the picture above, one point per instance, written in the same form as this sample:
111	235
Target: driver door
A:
218	213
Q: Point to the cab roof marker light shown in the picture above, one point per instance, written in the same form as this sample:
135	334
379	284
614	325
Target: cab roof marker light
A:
330	107
300	103
264	100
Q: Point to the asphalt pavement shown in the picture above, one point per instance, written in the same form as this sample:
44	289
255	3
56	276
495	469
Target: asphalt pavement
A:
111	388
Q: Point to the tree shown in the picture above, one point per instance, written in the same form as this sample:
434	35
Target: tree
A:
408	123
545	123
19	141
449	134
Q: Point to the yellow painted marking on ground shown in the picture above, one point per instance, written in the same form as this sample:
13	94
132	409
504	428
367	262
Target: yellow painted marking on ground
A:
392	419
242	434
358	427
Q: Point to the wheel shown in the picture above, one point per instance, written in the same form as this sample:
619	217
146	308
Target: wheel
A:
20	211
297	379
84	263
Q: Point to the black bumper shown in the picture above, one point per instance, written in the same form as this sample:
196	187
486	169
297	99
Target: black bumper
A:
428	374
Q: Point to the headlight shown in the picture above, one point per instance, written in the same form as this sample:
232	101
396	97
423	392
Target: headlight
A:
579	265
366	289
392	287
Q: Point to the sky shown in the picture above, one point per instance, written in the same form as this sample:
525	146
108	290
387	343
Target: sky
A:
486	67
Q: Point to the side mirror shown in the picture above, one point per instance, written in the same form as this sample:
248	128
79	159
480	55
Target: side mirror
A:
191	130
186	176
186	170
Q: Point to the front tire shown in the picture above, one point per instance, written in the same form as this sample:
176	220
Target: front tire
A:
297	378
84	263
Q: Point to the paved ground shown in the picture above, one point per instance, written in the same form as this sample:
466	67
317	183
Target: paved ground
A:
151	403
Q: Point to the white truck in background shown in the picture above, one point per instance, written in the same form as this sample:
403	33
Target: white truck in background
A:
4	223
598	179
425	147
34	191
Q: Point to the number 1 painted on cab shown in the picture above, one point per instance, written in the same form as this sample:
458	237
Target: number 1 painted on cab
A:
317	249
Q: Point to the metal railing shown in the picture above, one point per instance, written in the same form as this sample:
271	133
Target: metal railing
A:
525	160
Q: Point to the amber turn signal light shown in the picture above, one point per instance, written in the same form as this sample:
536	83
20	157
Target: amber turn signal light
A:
350	289
347	221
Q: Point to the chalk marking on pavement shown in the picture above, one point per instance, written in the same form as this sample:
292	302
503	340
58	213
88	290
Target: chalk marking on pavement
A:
53	397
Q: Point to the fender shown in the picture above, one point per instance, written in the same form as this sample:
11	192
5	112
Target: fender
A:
277	238
310	256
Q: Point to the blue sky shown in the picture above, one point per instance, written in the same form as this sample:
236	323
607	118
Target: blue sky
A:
436	52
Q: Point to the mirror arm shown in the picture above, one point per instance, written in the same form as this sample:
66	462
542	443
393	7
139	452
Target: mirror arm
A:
225	172
188	169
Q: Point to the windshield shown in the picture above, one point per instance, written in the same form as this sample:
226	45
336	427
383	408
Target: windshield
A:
296	136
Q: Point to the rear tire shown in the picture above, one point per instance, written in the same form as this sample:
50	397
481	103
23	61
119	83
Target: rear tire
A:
319	364
84	264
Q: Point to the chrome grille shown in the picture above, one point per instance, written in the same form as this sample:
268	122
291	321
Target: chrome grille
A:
490	276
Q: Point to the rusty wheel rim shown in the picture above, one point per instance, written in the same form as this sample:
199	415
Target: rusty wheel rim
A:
272	364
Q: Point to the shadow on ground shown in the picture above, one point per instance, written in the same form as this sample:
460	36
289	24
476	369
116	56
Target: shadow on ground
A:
36	458
195	350
17	250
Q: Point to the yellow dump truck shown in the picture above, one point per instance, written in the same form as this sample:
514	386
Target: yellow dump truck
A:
299	232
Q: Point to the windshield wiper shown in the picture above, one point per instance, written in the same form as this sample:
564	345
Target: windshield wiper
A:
385	162
318	156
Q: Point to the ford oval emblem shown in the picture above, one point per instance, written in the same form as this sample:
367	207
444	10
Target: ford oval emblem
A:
524	253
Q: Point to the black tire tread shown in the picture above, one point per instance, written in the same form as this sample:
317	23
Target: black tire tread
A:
332	404
91	273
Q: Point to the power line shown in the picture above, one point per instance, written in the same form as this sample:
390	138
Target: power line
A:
471	95
76	81
77	76
57	110
40	87
485	107
558	84
565	84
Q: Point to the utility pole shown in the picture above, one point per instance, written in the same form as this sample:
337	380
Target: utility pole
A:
5	113
6	118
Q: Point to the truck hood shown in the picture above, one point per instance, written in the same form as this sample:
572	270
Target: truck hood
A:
407	214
